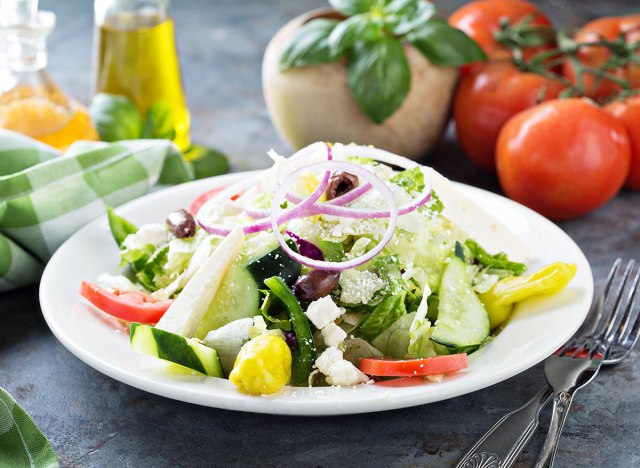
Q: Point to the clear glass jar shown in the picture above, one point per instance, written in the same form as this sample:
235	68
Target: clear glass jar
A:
30	101
135	56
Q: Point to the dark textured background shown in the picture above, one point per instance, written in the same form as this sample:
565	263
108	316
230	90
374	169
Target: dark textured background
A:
93	420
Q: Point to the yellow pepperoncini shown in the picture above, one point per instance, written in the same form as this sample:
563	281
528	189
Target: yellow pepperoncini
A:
500	298
263	365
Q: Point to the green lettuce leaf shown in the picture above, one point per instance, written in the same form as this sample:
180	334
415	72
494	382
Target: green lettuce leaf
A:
383	316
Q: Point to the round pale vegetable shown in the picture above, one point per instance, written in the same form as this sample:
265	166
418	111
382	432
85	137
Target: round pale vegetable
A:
314	103
262	366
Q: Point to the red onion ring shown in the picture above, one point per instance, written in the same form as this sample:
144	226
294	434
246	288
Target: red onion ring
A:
300	210
347	167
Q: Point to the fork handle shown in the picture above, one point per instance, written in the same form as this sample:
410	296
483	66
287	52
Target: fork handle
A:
506	439
561	404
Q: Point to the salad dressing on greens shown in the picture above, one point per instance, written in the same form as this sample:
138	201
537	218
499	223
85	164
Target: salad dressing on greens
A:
293	278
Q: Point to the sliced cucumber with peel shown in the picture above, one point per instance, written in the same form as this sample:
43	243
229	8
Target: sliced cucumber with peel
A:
463	322
168	346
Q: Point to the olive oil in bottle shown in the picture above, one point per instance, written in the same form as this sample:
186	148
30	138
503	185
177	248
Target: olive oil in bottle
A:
136	57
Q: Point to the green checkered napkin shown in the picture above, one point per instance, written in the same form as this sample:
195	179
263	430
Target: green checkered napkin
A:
21	442
46	196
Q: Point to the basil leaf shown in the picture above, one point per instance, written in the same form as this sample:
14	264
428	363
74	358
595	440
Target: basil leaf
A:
352	7
115	117
405	16
443	44
310	45
158	122
379	77
206	162
354	29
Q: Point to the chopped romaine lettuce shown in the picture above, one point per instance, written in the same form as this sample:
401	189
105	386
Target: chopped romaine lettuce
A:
383	315
394	341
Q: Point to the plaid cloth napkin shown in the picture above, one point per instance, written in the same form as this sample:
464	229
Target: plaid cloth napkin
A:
21	442
46	196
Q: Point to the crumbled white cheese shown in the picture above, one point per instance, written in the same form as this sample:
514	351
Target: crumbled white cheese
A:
323	311
329	357
338	370
148	234
358	287
332	334
345	373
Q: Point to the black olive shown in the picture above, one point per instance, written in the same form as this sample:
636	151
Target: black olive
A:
341	183
315	284
181	224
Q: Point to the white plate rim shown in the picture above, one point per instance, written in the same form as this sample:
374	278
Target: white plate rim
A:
326	401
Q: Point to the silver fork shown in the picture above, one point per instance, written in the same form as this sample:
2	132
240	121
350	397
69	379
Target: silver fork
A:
504	442
579	361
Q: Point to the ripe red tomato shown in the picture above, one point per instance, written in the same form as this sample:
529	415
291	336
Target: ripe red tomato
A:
608	28
628	112
488	97
563	158
481	20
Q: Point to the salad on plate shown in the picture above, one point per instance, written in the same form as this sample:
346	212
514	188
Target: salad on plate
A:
337	266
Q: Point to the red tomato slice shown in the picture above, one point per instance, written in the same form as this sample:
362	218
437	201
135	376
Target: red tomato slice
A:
202	199
133	306
389	367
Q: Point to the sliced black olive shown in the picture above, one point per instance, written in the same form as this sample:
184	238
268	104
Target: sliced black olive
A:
341	183
181	224
316	284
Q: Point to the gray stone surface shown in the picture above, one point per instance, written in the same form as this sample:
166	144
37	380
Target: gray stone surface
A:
95	421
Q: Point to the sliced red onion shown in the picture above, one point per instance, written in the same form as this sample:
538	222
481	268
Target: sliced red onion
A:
329	166
306	248
299	211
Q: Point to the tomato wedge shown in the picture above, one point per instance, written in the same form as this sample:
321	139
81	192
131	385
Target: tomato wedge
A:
389	367
133	306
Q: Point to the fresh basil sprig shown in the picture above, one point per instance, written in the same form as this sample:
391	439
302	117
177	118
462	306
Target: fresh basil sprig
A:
116	118
371	39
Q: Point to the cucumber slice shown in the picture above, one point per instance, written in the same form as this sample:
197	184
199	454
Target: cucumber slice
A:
463	322
237	298
186	352
275	263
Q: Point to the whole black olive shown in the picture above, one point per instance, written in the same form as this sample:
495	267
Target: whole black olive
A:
315	284
341	183
181	224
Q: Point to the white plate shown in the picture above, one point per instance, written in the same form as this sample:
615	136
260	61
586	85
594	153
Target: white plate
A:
538	327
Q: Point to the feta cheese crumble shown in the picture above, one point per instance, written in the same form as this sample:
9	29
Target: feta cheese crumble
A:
148	234
332	334
323	311
338	370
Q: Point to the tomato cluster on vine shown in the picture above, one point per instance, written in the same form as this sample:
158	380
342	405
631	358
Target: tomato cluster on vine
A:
557	117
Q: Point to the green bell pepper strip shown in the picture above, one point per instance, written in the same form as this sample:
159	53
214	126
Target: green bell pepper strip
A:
120	227
304	355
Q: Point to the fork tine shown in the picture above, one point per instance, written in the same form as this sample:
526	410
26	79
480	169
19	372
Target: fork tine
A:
594	320
631	324
620	305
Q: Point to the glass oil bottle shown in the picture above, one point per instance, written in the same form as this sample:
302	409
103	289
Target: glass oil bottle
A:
135	56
